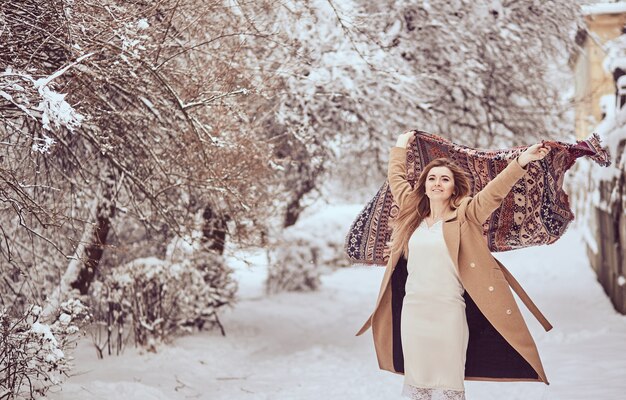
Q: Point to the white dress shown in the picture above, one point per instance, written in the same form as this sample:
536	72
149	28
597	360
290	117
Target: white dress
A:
434	327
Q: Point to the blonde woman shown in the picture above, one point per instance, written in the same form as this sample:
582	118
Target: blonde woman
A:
458	319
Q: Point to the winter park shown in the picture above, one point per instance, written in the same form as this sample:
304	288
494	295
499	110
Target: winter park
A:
321	199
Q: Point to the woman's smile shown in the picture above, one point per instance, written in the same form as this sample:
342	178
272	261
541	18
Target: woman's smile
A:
439	183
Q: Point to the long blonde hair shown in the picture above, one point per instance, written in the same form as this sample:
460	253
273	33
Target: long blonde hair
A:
416	206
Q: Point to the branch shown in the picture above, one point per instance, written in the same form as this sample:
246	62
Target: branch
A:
348	33
206	102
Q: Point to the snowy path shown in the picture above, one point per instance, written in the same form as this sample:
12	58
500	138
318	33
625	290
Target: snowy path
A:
302	345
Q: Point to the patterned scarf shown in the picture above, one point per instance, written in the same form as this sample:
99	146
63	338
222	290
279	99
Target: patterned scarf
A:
535	212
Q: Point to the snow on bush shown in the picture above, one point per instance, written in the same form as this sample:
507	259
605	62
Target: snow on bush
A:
131	37
293	267
33	354
310	247
150	300
22	91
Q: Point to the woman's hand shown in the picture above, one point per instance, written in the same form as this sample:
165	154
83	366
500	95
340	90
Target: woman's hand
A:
403	139
535	152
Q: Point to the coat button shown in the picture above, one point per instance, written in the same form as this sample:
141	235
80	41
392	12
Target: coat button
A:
509	312
472	265
490	288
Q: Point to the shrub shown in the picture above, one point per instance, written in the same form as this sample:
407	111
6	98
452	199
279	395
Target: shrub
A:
150	300
33	354
293	266
309	248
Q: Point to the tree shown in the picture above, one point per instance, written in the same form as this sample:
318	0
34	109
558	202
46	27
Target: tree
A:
162	91
482	73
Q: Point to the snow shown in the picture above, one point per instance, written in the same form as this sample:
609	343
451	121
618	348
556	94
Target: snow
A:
43	145
603	8
44	330
302	345
607	105
54	355
73	268
589	238
65	318
142	24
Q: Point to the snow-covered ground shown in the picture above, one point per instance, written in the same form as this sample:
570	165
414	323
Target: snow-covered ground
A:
302	345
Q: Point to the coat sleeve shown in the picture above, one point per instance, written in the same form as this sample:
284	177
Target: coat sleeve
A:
396	174
491	196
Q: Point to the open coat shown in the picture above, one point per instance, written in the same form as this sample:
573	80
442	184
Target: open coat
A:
500	345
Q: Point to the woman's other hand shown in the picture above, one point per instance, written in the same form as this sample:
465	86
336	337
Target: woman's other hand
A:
535	152
403	139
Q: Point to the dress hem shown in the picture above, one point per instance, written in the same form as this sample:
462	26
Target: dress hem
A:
432	393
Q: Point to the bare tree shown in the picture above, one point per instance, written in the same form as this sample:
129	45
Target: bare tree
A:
165	94
482	73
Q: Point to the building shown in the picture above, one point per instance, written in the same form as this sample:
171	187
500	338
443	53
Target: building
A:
600	78
604	22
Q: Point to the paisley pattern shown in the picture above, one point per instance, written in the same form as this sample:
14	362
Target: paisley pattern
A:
535	212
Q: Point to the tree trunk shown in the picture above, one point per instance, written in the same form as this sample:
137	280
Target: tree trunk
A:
214	230
294	208
95	248
89	250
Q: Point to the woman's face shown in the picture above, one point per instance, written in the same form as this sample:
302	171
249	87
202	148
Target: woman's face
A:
439	183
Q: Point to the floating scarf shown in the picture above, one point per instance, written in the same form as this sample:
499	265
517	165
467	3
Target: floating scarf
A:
541	217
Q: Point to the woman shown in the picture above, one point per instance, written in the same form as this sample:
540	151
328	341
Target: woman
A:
458	319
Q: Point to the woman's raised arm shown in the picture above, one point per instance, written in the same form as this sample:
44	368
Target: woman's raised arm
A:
396	171
491	196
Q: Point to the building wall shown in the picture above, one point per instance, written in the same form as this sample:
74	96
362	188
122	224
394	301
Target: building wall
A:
609	229
607	223
592	82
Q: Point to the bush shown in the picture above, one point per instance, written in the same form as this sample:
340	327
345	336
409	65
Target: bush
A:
150	300
293	267
305	250
33	354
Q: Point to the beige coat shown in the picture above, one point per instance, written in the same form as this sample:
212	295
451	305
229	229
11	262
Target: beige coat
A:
485	280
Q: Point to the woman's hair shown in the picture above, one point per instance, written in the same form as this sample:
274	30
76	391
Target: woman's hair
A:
416	206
